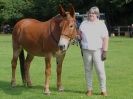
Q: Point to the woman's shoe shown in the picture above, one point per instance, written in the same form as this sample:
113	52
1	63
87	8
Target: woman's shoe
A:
104	94
89	93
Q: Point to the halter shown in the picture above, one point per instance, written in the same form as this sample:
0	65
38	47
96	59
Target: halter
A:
53	37
70	36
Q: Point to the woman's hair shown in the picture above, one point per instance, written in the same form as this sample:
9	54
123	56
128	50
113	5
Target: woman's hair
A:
94	10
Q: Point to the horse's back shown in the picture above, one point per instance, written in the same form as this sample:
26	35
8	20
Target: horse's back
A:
28	33
26	23
27	28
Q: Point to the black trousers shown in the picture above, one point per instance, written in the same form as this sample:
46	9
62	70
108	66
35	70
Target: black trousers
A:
131	34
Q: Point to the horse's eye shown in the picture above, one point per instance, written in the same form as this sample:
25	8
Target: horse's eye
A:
71	26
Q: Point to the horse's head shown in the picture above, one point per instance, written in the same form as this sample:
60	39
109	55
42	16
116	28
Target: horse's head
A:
68	27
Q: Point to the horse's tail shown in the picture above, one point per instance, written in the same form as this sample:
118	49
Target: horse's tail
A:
22	68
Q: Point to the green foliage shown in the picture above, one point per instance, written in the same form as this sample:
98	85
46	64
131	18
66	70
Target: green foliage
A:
11	10
120	3
119	12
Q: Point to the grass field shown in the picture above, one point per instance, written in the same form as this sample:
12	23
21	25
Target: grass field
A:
119	70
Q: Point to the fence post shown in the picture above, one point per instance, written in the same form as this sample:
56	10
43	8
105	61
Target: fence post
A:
118	30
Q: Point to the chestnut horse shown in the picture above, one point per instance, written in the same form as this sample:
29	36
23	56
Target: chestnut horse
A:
45	39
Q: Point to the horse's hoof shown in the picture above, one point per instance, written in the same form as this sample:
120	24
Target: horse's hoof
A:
29	84
13	84
47	93
24	84
61	89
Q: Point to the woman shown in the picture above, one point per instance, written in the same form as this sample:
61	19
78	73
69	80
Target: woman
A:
94	40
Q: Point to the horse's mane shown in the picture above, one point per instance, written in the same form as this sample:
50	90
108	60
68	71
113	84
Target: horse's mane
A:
57	18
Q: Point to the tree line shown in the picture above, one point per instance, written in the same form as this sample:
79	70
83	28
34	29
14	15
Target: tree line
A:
118	12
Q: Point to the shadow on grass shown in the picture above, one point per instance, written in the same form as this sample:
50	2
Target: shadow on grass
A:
72	91
81	92
19	89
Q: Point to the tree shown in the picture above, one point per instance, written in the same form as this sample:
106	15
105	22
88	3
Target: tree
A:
118	12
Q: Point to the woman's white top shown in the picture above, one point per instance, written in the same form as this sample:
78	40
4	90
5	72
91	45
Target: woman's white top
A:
92	34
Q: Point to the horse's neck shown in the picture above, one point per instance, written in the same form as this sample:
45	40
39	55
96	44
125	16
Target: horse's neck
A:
54	29
55	23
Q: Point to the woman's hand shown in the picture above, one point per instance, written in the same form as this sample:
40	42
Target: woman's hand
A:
103	56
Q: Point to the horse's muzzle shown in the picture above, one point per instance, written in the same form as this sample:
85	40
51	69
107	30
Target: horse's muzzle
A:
62	47
63	43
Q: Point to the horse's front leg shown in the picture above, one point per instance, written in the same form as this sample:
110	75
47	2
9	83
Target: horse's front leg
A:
59	61
47	75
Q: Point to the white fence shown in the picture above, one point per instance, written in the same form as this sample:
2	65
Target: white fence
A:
122	31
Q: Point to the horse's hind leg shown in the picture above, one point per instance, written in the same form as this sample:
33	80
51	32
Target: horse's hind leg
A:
28	60
16	53
59	61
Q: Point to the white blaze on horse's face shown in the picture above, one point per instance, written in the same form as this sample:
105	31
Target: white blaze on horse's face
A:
63	43
67	27
68	33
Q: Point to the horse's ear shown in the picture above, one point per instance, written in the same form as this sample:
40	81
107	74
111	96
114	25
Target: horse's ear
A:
62	11
71	10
